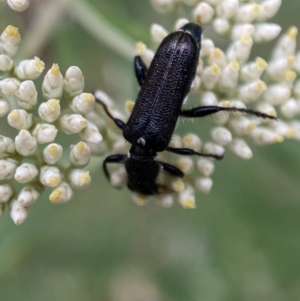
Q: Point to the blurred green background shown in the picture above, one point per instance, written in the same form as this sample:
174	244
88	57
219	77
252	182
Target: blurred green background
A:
242	242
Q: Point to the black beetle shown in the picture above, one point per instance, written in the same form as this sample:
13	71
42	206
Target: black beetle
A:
152	122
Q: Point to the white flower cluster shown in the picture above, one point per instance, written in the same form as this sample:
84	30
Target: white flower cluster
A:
17	5
226	77
32	157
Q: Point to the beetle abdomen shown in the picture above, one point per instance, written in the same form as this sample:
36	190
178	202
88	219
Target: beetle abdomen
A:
168	80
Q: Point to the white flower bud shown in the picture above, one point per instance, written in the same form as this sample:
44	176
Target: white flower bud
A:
27	95
209	99
217	57
185	164
28	195
29	69
6	193
205	166
18	213
196	83
207	47
10	40
269	9
229	75
80	179
121	145
286	45
210	76
49	111
180	23
214	149
248	12
91	133
7	146
290	108
242	125
74	81
278	69
239	30
203	13
267	108
204	184
221	26
72	123
176	141
83	103
7	169
241	149
277	94
53	83
18	5
52	153
265	32
175	184
240	50
198	71
118	178
145	53
50	176
96	119
192	141
19	119
26	172
6	63
252	91
221	135
4	107
220	118
253	70
44	132
140	199
165	201
61	194
158	33
227	8
9	86
186	199
283	129
264	136
163	5
25	144
80	154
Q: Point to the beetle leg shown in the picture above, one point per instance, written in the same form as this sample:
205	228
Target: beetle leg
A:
112	159
190	152
173	170
119	123
140	70
209	110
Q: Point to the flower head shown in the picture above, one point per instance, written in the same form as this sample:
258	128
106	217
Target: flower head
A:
32	158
